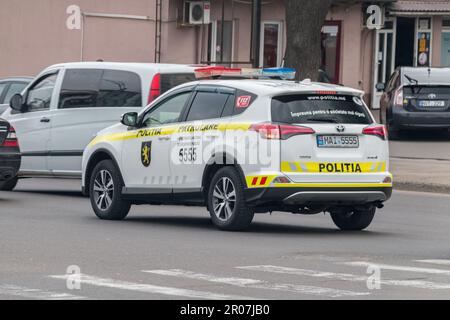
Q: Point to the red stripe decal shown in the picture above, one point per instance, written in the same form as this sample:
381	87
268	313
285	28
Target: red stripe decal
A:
255	179
263	181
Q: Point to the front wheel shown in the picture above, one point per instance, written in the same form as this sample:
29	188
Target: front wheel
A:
9	185
105	190
226	201
353	219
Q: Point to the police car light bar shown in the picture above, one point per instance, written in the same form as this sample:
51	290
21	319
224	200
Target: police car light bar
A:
283	73
215	71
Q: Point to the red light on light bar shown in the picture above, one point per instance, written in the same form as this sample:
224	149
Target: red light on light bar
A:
215	71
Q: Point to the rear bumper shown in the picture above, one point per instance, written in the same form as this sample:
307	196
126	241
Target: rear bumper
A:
9	165
403	119
298	196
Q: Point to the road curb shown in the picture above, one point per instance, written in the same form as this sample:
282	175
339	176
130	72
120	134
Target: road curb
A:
421	187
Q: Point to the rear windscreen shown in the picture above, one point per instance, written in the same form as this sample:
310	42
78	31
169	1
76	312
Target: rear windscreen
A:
171	80
316	108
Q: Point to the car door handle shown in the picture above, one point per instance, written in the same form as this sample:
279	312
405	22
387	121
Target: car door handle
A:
45	120
164	138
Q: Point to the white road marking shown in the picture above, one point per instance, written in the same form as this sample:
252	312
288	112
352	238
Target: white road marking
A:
11	290
396	268
148	288
346	277
436	261
259	284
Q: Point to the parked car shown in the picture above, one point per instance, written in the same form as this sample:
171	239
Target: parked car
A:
63	108
9	156
416	98
9	87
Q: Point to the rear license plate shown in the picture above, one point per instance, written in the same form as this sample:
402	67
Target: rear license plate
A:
432	103
337	141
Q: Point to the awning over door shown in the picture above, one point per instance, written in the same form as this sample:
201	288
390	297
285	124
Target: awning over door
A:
413	8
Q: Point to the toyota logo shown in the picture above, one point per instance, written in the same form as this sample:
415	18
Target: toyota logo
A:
340	128
432	96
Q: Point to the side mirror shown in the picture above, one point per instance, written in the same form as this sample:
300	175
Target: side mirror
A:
16	103
380	86
130	119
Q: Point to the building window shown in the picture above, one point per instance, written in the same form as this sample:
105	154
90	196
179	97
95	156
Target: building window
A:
445	43
423	42
271	44
331	38
220	49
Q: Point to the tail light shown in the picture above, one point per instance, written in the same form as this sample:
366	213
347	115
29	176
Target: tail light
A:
11	139
279	132
398	98
155	88
378	130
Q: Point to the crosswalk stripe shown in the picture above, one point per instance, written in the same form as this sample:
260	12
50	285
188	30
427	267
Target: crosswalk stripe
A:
396	268
259	284
346	277
444	262
148	288
28	293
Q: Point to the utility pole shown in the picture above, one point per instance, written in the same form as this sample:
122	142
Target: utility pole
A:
256	32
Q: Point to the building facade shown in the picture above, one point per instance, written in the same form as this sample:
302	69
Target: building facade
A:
38	33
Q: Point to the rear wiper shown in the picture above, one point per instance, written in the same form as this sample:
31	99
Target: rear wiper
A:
328	120
411	80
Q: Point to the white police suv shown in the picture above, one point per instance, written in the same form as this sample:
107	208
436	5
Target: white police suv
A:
242	147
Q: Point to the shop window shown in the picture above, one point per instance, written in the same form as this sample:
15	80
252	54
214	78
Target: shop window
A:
331	38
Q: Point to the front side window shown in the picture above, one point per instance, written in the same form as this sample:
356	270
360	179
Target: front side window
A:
168	111
318	108
40	95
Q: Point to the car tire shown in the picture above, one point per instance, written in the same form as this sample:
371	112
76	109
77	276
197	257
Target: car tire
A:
9	185
105	190
226	201
352	219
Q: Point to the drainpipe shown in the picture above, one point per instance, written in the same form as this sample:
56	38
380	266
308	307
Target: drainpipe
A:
256	32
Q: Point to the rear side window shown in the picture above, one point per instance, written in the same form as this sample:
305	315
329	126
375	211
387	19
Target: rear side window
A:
314	108
91	88
171	80
207	105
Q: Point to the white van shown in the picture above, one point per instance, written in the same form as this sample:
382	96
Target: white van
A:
59	112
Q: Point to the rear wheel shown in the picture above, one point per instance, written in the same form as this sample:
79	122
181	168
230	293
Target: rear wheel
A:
353	219
226	202
9	185
105	192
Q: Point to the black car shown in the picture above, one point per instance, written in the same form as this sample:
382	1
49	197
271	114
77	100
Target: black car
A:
416	98
9	87
10	157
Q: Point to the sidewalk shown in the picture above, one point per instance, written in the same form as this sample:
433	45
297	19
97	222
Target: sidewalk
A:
421	174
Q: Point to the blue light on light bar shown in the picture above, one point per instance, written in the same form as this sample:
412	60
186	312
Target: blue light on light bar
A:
285	73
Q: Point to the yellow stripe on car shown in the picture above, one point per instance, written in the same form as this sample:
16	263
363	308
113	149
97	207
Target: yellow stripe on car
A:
333	167
170	130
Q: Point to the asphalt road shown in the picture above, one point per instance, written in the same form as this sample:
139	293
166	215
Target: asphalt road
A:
165	252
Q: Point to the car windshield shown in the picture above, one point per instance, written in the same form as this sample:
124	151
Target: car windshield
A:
316	108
